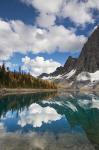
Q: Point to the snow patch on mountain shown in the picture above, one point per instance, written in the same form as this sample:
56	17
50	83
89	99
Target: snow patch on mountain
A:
70	74
52	77
86	76
66	76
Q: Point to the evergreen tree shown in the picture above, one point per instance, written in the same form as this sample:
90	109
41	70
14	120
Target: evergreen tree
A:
19	79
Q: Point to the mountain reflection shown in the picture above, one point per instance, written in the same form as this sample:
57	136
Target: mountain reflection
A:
68	120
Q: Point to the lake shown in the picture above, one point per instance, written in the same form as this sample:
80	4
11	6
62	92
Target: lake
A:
49	121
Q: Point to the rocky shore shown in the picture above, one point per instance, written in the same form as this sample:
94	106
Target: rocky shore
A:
6	91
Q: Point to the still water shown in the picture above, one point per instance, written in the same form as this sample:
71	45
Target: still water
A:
49	121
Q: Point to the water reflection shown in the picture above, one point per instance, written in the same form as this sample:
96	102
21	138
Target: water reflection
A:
46	141
37	115
20	102
53	121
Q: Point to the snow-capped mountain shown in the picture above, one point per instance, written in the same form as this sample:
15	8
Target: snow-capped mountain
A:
81	72
61	72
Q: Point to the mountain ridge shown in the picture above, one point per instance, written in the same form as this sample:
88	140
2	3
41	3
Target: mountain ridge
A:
70	64
86	66
79	63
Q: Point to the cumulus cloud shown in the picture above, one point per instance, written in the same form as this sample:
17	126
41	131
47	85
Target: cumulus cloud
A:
45	6
37	115
77	12
46	20
48	10
15	36
80	12
92	4
39	65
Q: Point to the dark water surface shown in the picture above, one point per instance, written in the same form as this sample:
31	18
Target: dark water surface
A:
49	121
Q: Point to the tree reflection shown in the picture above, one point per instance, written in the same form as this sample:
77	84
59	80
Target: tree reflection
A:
19	102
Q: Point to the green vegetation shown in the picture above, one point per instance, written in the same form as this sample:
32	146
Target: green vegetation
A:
20	79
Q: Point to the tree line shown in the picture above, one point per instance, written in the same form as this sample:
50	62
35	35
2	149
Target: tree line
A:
19	79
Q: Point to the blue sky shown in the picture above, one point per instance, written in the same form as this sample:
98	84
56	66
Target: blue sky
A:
39	35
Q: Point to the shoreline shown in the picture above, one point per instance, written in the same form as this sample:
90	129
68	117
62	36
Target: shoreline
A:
8	91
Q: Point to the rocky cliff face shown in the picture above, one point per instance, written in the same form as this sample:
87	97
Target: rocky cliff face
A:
43	75
58	71
70	64
89	58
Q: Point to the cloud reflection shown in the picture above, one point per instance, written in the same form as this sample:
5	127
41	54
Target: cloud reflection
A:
37	115
45	141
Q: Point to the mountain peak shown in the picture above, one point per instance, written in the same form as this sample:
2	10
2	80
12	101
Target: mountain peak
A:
70	64
88	61
89	57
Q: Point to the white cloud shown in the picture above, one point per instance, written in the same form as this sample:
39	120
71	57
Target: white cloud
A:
77	12
80	12
45	6
46	20
92	4
37	115
65	39
39	65
48	10
15	36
